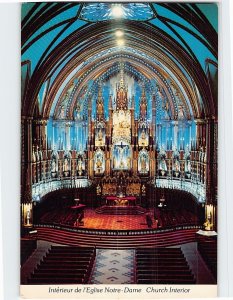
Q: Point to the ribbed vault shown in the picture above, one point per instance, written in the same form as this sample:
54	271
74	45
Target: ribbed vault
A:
89	40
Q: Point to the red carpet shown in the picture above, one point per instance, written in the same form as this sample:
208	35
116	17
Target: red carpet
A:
92	220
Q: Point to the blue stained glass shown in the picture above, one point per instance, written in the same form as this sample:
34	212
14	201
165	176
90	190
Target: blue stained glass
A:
95	12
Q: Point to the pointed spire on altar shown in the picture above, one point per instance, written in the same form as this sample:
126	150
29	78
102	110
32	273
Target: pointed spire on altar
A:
133	102
100	104
143	104
122	77
99	92
143	92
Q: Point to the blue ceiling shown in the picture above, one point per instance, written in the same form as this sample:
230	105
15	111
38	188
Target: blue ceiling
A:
45	26
69	18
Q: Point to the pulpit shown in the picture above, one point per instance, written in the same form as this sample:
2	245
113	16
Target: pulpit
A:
79	211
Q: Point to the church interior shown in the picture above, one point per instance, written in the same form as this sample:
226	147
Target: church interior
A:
119	120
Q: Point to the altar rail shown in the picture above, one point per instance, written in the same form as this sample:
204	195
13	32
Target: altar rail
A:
118	232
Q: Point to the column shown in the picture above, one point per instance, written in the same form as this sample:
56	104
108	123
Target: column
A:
211	165
154	117
43	133
26	163
198	123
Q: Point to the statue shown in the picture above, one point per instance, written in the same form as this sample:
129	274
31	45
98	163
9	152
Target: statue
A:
121	154
143	164
100	135
100	110
128	162
163	165
53	166
143	190
78	112
143	135
79	167
124	124
188	166
143	138
143	110
121	164
61	113
177	166
208	225
181	115
98	190
99	164
28	217
99	159
66	165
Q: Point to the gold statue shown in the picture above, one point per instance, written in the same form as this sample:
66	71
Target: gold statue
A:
100	135
98	190
143	138
143	190
208	225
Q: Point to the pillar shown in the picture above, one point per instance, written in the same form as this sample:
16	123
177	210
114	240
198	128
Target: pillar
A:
26	167
211	165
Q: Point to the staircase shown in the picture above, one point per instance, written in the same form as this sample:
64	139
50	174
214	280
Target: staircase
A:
136	239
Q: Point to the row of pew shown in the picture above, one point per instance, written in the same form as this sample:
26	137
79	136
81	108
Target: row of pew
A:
64	265
208	250
168	218
65	216
162	266
28	246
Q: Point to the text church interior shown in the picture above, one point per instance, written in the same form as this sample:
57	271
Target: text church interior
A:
119	121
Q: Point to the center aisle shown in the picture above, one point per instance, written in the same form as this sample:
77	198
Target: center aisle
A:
113	267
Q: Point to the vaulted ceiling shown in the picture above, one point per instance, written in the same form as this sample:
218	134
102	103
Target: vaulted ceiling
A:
66	45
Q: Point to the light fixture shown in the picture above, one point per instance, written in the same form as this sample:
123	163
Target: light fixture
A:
120	42
117	11
119	33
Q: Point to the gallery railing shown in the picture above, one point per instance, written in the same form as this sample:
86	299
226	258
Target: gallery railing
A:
42	188
197	189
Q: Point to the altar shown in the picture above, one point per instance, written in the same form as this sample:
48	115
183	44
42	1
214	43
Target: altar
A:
120	201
